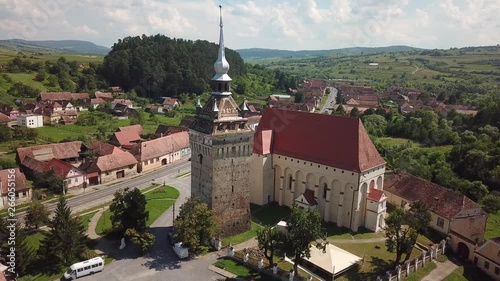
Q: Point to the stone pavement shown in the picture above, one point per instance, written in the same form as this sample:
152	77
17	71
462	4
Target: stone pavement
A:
443	269
356	241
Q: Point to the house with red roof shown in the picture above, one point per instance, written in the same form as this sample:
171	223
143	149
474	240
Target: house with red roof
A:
98	148
487	258
109	167
13	183
104	96
137	128
299	153
453	214
33	159
162	151
71	176
125	139
170	104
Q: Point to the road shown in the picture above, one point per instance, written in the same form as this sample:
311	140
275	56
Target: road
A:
330	102
162	263
99	194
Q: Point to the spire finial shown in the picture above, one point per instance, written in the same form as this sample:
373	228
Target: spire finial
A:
220	13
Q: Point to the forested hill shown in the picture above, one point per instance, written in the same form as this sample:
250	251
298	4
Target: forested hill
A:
158	66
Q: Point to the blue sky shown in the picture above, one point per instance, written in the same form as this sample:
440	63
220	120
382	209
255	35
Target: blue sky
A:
291	25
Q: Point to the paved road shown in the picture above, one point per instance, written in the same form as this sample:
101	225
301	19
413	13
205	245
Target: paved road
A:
330	102
99	194
162	264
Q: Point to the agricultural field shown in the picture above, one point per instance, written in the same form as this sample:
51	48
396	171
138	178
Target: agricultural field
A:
43	55
479	65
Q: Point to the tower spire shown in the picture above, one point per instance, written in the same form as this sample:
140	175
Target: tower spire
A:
221	66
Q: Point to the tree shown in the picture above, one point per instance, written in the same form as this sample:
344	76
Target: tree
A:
145	240
5	133
138	117
400	235
491	203
420	216
269	237
65	243
195	225
49	180
41	75
24	253
375	125
129	210
354	112
339	111
304	227
36	215
339	99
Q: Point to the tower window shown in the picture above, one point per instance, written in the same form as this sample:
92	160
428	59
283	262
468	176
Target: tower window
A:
201	158
325	190
232	188
290	182
227	87
219	86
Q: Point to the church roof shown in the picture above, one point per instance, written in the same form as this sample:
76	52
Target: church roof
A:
336	141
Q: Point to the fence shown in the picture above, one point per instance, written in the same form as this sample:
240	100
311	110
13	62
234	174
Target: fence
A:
400	272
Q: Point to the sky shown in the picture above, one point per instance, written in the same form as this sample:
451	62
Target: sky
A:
274	24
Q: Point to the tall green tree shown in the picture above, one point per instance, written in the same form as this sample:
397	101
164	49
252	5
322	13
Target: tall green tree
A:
195	225
36	215
304	227
401	236
420	217
354	112
50	180
144	240
5	132
129	210
491	203
65	243
269	238
25	255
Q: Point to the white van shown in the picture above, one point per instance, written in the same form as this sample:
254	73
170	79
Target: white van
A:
84	268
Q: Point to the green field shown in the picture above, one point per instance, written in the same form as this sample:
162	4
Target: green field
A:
493	226
52	56
242	237
240	270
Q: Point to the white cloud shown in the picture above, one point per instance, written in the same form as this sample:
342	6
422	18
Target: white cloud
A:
284	24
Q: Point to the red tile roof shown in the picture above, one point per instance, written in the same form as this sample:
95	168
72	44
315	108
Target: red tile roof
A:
161	146
137	128
101	148
115	161
64	96
440	200
126	137
4	118
336	141
101	95
46	152
97	101
60	167
165	130
20	180
169	101
375	195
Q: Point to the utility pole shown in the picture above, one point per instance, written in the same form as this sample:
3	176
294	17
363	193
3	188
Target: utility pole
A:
173	213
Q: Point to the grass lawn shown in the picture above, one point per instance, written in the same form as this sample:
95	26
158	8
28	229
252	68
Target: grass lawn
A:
269	214
493	226
85	219
240	270
377	260
468	272
422	272
334	232
242	237
157	204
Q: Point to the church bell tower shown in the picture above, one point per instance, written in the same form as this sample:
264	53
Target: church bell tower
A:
221	143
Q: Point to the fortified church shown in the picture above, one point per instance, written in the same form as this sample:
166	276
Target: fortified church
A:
319	161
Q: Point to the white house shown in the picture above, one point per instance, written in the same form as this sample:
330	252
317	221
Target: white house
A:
30	121
299	153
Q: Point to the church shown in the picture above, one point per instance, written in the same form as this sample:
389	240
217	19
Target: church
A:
318	161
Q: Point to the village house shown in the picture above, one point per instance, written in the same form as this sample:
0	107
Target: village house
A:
162	151
155	109
170	104
70	175
98	148
125	139
75	98
344	171
109	167
9	111
116	90
30	121
127	103
487	258
4	119
22	191
95	103
136	128
453	215
165	130
104	96
33	159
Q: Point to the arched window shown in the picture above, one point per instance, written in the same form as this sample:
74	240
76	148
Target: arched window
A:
325	190
290	182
